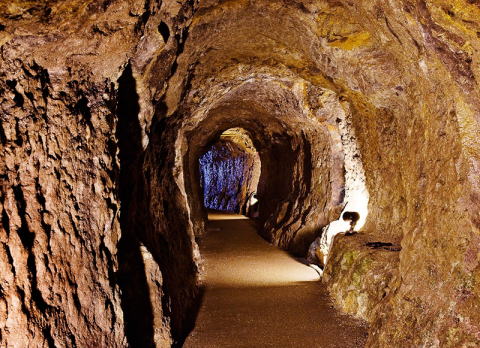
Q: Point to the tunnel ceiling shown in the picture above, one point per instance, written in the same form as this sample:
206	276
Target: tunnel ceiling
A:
106	107
240	137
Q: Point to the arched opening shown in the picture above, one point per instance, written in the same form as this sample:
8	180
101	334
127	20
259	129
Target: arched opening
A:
229	173
301	184
306	156
293	178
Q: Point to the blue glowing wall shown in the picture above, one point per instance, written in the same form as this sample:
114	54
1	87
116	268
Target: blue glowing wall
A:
225	176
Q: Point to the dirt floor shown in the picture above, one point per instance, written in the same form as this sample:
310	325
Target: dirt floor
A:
258	296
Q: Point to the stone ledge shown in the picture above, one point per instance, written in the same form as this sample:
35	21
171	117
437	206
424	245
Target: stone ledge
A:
359	275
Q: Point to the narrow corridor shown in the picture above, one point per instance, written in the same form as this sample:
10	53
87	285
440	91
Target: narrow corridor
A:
259	296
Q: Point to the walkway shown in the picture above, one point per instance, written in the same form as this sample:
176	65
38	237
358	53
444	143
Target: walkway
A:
259	296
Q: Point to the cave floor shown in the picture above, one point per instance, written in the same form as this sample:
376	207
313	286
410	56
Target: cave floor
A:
259	296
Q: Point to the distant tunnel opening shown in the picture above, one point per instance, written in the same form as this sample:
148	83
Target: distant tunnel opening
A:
230	172
301	179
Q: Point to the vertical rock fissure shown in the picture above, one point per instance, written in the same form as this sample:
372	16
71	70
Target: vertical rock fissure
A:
137	309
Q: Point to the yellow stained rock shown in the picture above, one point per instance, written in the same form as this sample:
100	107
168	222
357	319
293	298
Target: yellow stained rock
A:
353	41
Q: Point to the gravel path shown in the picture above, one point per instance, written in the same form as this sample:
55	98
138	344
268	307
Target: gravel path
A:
258	296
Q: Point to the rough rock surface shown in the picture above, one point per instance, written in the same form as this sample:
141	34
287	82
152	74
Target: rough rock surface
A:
360	274
69	156
106	107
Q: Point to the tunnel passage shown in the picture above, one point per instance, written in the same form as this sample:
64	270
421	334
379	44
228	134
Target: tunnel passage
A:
407	70
301	186
309	172
229	172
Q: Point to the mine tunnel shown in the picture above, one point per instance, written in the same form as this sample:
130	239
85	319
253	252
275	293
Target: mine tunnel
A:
265	179
244	274
211	173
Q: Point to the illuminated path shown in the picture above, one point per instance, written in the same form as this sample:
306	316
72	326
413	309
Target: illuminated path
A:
258	296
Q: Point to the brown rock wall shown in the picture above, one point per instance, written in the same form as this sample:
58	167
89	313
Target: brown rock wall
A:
62	259
58	193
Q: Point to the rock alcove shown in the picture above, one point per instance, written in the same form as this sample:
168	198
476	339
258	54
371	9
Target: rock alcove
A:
366	107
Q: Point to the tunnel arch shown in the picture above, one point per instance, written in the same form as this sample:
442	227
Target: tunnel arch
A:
289	138
302	124
404	73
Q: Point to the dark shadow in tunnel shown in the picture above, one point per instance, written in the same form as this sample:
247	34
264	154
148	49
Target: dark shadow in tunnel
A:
191	318
131	277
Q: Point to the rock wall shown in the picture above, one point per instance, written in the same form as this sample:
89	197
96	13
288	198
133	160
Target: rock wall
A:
70	136
60	209
106	107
